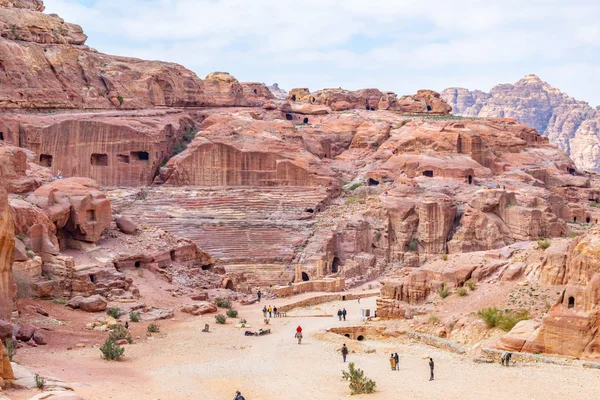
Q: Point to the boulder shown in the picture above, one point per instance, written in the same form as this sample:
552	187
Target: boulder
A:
199	309
126	225
25	332
56	395
157	314
39	337
6	330
93	303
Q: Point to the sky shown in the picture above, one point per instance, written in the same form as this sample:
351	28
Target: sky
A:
397	45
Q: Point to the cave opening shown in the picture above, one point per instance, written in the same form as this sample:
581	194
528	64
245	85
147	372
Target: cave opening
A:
571	302
305	120
470	179
123	158
91	215
373	182
138	264
360	338
229	285
293	97
172	254
206	267
100	160
1	135
588	220
428	173
46	160
574	219
305	277
289	116
309	210
428	108
140	155
572	171
335	266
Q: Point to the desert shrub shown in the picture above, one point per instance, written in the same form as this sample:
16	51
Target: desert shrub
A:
111	350
434	319
445	257
121	99
119	332
153	328
223	302
543	243
510	319
40	382
491	316
359	383
443	291
471	284
232	313
413	245
355	186
10	349
352	200
220	318
60	301
114	312
134	316
461	292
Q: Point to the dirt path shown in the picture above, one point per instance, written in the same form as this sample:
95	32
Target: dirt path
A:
187	364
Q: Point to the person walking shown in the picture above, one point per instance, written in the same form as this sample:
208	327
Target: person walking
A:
397	359
393	362
265	311
270	310
275	312
358	299
259	295
344	351
339	314
344	312
431	367
238	396
299	334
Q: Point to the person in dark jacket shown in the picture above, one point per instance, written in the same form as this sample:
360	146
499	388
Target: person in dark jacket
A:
344	351
397	361
259	295
431	366
344	312
339	314
238	396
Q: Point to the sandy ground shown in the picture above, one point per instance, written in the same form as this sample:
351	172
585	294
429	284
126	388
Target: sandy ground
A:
184	363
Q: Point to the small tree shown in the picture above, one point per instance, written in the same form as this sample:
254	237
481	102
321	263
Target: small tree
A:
223	302
232	313
111	350
134	316
153	328
443	291
359	383
40	382
119	332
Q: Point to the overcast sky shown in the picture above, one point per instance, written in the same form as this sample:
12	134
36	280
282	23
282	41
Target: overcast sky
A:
398	45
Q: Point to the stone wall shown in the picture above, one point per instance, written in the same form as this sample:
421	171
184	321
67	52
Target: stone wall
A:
323	285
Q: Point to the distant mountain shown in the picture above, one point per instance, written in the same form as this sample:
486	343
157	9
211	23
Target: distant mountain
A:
277	91
572	125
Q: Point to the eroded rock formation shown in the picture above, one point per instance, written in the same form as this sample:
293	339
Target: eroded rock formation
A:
7	243
570	124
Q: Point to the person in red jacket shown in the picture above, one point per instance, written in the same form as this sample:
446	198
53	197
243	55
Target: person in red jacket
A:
299	334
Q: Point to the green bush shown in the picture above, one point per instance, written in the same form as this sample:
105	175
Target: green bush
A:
461	292
10	349
60	301
510	319
503	320
119	332
40	382
111	350
543	243
443	291
114	312
134	316
355	186
413	245
471	284
121	99
232	313
223	302
359	383
445	257
220	318
153	328
491	316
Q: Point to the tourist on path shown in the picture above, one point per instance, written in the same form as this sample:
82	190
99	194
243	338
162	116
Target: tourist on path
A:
393	362
431	366
259	295
344	351
275	312
265	311
299	334
397	359
358	299
270	310
340	315
238	396
344	312
505	360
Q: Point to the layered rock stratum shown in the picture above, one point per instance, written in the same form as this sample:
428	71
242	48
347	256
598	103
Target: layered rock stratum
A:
113	164
572	125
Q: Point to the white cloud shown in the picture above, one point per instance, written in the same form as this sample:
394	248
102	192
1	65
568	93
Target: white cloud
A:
397	45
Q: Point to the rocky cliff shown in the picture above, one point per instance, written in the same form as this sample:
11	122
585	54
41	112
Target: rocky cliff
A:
572	125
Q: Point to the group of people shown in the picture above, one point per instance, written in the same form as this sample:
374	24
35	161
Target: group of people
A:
272	311
342	314
395	362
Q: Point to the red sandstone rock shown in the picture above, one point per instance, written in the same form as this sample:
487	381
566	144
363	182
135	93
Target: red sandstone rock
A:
25	332
199	309
126	225
222	89
75	205
89	304
7	287
6	330
35	5
40	338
